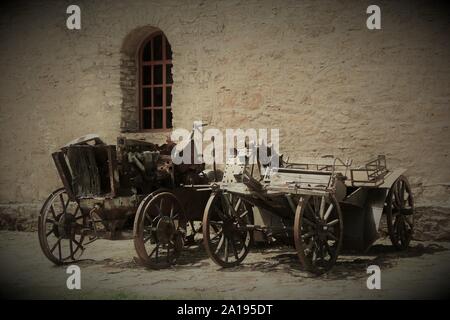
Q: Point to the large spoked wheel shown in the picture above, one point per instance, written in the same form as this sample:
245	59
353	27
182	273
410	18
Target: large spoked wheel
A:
318	231
159	229
226	237
60	228
399	210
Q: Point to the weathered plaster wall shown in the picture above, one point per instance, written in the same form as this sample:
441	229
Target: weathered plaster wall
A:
310	68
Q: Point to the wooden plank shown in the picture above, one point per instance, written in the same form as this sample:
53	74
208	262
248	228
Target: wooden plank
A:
390	178
85	174
317	161
113	170
64	173
84	140
300	178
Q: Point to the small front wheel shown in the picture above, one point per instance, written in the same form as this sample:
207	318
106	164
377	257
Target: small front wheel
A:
159	229
399	210
226	235
60	228
318	230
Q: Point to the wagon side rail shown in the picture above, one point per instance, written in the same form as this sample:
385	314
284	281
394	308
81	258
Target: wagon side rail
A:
325	163
300	181
64	173
372	174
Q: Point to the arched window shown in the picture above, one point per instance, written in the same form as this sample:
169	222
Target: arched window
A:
155	83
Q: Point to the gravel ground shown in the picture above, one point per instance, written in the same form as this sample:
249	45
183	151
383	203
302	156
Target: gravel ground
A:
273	272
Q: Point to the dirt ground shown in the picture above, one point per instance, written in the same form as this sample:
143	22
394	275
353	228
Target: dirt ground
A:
272	272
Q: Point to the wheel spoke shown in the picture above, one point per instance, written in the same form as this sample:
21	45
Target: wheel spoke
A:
409	222
61	198
397	195
146	216
79	245
52	209
154	219
309	222
226	250
407	201
332	223
56	244
394	196
219	246
332	236
321	255
314	253
224	202
154	251
238	204
402	193
233	247
400	230
329	250
76	211
329	210
71	249
161	206
243	214
220	213
311	210
322	207
59	251
230	206
218	234
171	210
315	205
158	209
309	247
308	235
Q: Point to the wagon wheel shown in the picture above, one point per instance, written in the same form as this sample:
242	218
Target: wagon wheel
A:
318	230
60	228
159	228
399	209
225	234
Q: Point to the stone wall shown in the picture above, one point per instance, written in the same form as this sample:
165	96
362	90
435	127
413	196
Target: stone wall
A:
310	68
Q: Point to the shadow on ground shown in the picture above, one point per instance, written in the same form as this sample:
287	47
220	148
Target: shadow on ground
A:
348	266
191	257
282	258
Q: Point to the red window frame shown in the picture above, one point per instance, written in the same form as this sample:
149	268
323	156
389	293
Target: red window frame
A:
146	111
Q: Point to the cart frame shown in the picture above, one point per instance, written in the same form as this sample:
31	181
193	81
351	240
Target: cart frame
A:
307	202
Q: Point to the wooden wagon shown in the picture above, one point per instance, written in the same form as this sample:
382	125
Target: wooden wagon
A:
129	191
320	204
